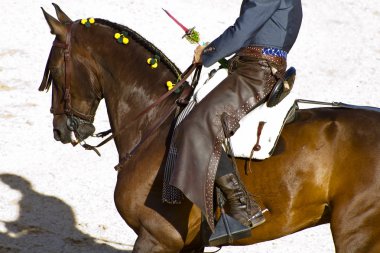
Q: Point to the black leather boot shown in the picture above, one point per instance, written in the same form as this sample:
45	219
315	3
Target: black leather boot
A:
240	205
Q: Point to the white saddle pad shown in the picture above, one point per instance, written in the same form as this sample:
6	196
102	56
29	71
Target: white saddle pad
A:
245	137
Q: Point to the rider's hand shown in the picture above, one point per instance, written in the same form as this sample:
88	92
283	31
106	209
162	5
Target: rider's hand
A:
198	53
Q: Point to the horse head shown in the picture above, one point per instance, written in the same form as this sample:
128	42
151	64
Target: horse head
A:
95	59
75	88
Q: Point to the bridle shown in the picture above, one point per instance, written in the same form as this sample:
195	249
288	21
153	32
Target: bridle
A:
68	109
75	117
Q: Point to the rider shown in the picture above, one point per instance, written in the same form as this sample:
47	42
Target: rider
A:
261	38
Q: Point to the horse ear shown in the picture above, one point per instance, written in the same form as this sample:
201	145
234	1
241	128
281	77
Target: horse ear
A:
62	17
56	27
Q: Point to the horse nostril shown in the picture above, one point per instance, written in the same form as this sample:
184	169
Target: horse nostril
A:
57	134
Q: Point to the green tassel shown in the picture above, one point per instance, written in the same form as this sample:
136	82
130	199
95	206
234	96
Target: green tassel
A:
120	40
125	34
88	24
193	36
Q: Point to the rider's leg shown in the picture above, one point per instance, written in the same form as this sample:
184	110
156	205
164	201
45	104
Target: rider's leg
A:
240	205
200	136
225	165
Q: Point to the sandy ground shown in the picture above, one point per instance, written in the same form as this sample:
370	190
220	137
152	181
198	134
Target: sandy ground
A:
55	198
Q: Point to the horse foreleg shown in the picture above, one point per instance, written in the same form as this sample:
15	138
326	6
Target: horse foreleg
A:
148	243
160	228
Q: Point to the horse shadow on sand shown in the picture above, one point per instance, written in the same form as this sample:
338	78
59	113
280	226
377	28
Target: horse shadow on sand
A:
45	224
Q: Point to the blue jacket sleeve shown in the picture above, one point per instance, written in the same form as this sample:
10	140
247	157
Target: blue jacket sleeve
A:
254	13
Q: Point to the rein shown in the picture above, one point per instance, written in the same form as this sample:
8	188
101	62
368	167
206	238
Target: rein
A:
187	91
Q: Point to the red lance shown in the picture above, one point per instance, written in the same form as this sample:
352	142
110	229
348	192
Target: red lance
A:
190	34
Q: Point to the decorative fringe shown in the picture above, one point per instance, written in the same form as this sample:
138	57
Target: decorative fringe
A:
171	194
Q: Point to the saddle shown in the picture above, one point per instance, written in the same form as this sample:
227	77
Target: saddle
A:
259	129
282	88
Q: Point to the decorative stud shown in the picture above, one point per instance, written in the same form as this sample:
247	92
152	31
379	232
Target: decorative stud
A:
122	37
170	85
87	21
153	62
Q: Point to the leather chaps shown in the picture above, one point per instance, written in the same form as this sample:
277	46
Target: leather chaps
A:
199	137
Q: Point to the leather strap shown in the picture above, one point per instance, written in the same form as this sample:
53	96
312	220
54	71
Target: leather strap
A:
257	146
68	109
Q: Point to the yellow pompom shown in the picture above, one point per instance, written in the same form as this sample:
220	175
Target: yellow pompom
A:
149	60
83	21
117	35
170	85
155	65
125	40
91	20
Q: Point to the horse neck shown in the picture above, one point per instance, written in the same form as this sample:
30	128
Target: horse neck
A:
129	85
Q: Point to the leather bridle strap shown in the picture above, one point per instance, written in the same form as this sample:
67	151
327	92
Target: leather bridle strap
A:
67	60
68	110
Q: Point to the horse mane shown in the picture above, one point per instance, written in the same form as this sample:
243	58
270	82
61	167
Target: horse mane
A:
47	79
143	42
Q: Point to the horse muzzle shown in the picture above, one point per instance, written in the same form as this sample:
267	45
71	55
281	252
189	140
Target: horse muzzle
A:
71	129
79	129
61	135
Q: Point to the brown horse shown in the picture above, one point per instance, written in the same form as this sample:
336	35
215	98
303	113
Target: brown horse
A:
325	169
